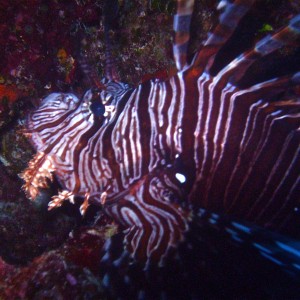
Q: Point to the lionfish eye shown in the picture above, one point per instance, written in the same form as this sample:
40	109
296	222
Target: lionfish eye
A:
97	108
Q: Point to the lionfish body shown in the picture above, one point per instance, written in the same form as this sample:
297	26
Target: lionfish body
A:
154	154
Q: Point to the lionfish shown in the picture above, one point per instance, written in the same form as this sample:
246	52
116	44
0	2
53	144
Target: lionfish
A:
157	158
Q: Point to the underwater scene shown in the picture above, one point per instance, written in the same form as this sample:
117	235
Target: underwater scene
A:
150	149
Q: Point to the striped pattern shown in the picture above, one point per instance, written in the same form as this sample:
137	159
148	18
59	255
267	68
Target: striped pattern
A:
182	21
165	148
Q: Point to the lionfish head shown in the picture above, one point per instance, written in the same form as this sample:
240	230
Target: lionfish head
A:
61	113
